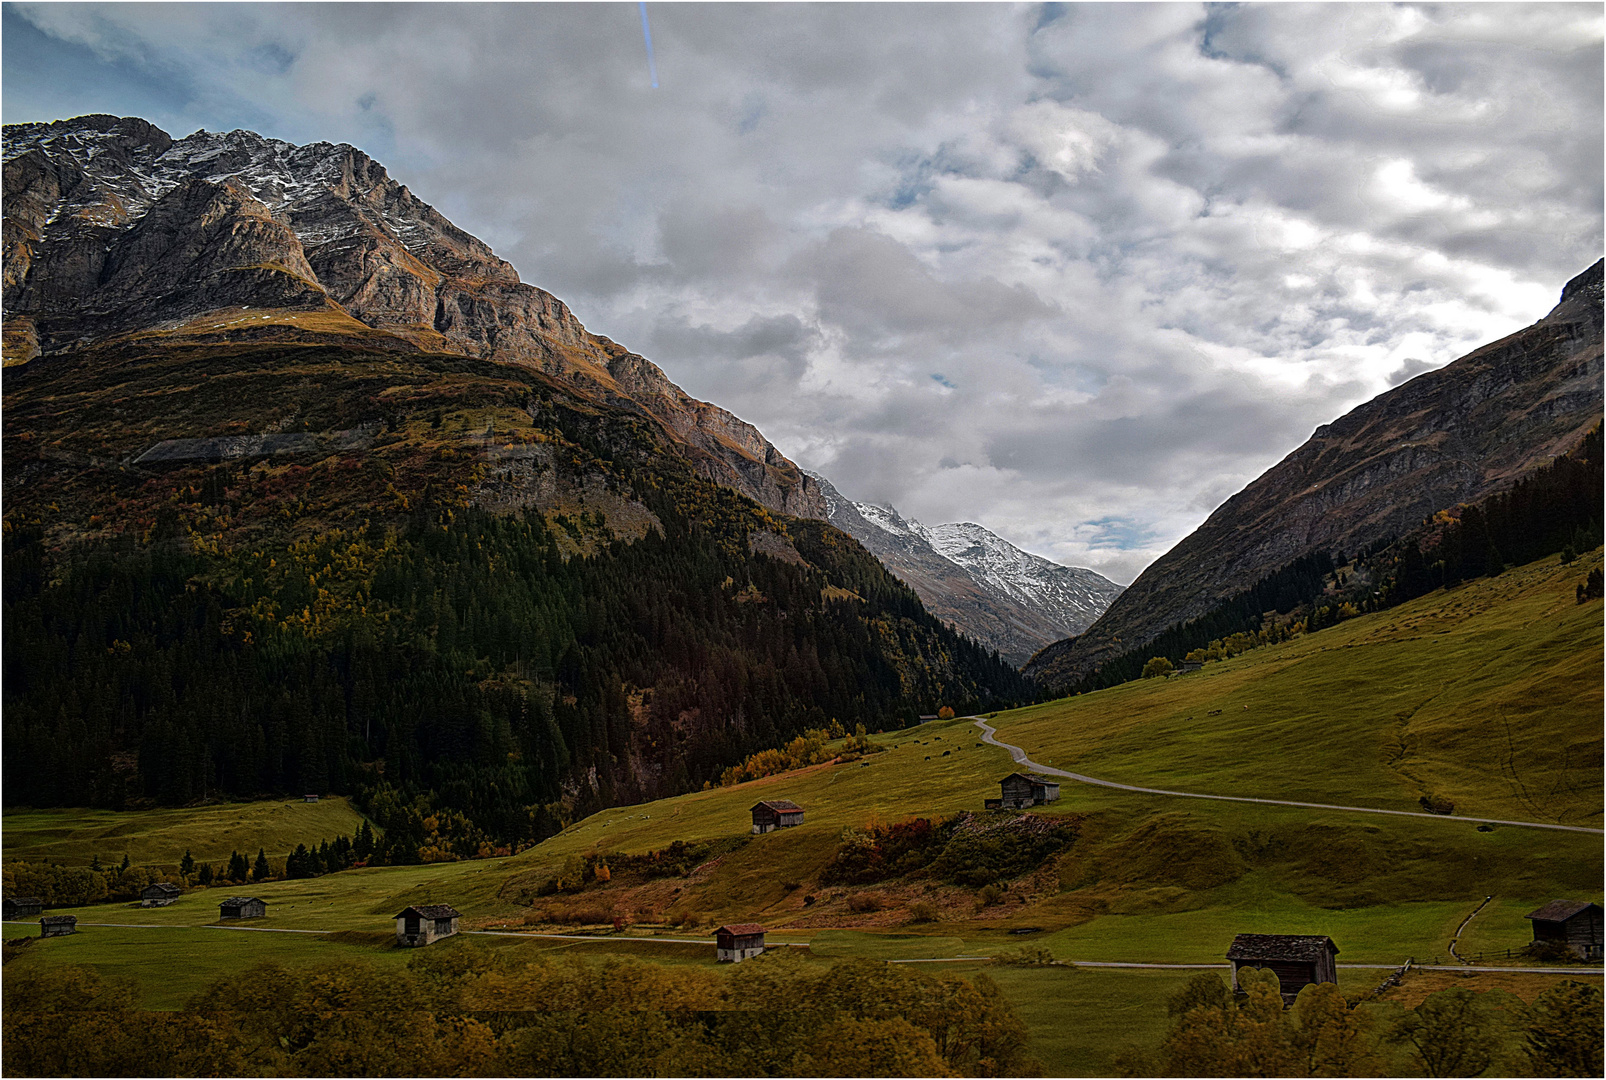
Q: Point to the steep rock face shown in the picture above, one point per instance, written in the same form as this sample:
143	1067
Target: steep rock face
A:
113	228
974	580
1446	437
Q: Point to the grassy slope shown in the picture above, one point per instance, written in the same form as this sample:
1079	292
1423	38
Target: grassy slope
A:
1151	879
160	837
1488	694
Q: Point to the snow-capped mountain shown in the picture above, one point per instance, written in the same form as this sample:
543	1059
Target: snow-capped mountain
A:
975	580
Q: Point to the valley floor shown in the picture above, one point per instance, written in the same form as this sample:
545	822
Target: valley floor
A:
1488	696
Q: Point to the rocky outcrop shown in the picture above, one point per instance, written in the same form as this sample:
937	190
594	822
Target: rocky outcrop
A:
986	588
113	229
1446	437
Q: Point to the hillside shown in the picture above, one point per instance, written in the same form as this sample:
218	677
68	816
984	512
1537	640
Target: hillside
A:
977	582
305	491
1446	437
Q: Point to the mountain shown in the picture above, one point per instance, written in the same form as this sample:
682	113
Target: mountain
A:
1007	599
114	232
306	492
1444	438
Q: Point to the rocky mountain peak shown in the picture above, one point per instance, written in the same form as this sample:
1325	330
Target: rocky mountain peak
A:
114	228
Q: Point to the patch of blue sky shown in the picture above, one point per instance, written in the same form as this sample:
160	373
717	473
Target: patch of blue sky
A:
943	380
754	109
1120	533
45	78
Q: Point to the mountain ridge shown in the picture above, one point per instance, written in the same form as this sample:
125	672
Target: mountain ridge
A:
114	231
1446	437
1007	599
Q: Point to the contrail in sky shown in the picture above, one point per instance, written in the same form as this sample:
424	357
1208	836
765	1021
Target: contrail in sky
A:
646	35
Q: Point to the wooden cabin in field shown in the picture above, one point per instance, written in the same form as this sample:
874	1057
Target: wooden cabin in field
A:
309	798
772	814
417	926
58	925
738	942
23	907
1296	959
1022	790
242	907
159	895
1572	923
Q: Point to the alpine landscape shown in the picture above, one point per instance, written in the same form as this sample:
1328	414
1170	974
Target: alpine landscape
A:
401	678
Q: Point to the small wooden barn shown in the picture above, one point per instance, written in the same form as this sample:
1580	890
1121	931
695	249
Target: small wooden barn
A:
243	907
23	907
58	925
738	942
1022	790
1296	959
772	814
1573	923
421	925
159	895
309	798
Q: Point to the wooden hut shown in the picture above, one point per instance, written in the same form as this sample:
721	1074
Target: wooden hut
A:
418	926
1022	790
1573	923
243	907
58	925
22	907
1296	959
738	942
159	895
772	814
309	798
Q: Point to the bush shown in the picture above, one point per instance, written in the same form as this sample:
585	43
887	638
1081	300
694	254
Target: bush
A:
1437	804
989	895
1157	665
1549	950
922	913
867	901
1026	956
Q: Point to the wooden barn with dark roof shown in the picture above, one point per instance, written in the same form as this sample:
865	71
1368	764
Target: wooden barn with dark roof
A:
242	907
1023	790
738	942
772	814
425	923
159	895
22	907
1573	923
1297	960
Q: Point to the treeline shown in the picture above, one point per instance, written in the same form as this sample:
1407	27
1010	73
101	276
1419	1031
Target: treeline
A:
458	657
456	1012
1458	1032
1244	614
810	748
1556	509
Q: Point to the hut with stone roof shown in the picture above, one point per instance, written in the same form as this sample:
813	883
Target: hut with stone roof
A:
772	814
425	923
738	942
1296	959
1573	923
58	925
243	907
1023	790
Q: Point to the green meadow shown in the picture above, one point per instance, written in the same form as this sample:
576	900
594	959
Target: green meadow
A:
1488	695
160	837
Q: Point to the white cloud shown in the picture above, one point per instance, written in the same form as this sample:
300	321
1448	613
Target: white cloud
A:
1077	274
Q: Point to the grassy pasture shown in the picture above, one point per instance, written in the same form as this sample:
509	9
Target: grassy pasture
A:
1488	694
160	837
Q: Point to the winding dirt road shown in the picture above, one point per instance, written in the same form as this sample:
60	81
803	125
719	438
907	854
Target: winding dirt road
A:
988	732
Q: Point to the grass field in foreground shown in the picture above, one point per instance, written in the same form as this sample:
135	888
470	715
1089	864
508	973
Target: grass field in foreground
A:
76	837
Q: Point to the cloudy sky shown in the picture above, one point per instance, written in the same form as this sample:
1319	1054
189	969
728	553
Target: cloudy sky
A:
1075	272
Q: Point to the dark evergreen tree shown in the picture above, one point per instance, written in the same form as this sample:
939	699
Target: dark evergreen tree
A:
261	870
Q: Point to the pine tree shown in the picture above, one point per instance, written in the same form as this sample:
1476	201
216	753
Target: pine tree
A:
206	875
239	868
186	865
261	870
